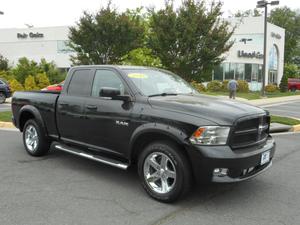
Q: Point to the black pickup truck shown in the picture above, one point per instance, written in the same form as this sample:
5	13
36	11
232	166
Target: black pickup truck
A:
126	115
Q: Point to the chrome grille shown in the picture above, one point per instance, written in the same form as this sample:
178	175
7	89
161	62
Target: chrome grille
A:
250	131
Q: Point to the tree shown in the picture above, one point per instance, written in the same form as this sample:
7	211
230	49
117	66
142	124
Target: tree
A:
15	85
24	68
30	84
3	63
105	37
42	80
247	13
291	70
53	73
141	57
290	21
283	86
190	40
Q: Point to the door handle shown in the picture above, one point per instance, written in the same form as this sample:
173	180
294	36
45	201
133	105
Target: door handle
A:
91	107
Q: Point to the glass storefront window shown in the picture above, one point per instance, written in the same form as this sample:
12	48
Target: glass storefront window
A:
218	72
248	71
63	47
229	70
240	71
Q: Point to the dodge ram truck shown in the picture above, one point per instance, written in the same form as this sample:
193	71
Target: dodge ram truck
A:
151	118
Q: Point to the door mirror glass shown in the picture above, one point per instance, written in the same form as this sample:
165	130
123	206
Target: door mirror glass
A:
109	92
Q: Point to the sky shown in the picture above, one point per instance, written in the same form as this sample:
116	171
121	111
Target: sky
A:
43	13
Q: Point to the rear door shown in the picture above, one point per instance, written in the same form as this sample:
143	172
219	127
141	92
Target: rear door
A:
70	106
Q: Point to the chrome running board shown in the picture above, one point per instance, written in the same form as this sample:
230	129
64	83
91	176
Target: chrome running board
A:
97	158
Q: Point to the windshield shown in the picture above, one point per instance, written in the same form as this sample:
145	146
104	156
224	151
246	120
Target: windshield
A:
158	82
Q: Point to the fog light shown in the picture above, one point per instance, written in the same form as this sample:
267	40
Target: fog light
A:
220	172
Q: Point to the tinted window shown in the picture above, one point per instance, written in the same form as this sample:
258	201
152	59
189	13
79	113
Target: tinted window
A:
81	83
107	78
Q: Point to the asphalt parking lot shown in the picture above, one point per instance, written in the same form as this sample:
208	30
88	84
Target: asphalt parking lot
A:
291	109
65	189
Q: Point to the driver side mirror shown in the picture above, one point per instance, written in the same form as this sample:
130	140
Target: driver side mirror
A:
114	94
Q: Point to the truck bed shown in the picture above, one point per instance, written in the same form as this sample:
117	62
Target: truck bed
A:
43	101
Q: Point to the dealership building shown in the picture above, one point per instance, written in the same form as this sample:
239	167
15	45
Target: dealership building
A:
243	61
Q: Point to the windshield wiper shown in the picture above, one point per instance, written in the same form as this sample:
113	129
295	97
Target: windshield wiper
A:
162	94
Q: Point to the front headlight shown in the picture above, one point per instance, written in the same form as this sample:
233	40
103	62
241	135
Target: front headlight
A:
210	135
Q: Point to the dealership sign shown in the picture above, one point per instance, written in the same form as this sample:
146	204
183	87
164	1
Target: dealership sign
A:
30	35
254	54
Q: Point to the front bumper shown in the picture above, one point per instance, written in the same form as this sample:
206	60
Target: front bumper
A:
242	164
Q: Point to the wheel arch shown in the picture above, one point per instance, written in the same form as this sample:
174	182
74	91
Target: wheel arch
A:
148	133
30	112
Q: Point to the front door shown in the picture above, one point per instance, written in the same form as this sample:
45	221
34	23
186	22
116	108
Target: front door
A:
107	120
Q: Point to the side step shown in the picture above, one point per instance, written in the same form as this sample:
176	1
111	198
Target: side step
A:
97	158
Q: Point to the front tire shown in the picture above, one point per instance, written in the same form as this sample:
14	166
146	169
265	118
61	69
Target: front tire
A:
164	171
34	139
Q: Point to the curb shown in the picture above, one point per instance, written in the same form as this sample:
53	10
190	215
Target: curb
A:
295	128
6	125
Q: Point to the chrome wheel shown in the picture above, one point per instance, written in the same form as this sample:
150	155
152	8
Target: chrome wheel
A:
159	172
31	138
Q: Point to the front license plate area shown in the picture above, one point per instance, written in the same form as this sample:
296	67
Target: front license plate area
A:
265	158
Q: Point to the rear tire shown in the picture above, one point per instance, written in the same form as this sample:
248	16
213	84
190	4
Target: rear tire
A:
2	97
34	139
164	171
293	89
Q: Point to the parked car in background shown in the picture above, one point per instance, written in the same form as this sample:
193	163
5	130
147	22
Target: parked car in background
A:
55	87
294	84
5	91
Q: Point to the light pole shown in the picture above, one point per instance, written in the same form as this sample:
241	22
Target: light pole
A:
264	4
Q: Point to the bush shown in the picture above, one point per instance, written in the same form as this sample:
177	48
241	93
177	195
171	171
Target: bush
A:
15	85
30	84
198	86
42	80
243	86
271	88
214	86
284	83
225	85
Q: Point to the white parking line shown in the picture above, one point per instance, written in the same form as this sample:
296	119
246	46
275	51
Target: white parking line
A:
9	129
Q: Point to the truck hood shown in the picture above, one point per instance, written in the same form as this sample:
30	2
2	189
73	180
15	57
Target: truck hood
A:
216	110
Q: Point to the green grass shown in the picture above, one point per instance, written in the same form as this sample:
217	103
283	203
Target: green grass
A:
284	120
254	95
5	116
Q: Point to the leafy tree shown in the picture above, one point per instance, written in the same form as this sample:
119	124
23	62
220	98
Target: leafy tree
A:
291	71
15	85
3	63
191	39
141	57
289	20
53	73
247	13
24	68
283	86
30	84
6	75
105	37
42	80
